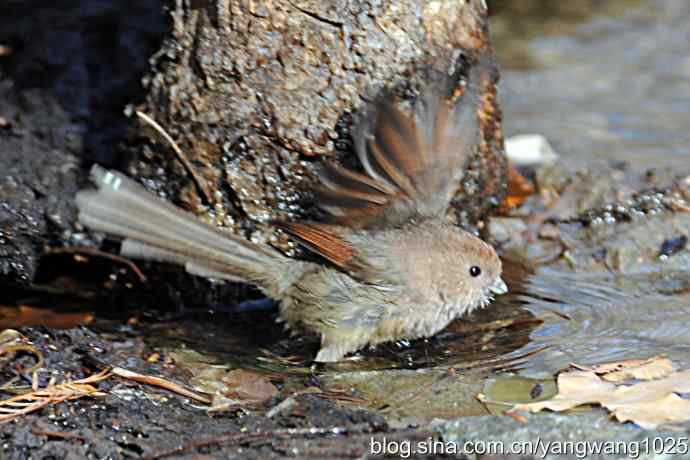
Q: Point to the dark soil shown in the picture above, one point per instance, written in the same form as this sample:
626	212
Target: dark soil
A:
68	70
135	421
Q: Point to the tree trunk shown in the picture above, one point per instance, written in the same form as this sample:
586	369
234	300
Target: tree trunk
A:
255	91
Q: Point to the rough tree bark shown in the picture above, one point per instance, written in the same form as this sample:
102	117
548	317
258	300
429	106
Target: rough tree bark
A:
255	91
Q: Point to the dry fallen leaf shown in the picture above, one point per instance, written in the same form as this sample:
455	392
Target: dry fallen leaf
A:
653	369
640	369
649	415
249	386
648	404
519	188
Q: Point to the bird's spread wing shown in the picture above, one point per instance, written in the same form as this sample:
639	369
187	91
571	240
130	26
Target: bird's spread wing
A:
412	164
326	240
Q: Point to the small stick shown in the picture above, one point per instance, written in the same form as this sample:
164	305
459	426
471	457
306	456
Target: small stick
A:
198	181
159	382
69	435
5	349
98	253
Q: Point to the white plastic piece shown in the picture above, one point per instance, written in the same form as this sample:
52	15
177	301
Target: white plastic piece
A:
529	150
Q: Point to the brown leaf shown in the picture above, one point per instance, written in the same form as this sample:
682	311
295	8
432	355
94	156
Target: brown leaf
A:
670	409
605	368
249	386
519	188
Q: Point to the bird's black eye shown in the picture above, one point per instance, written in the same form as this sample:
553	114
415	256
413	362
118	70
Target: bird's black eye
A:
475	271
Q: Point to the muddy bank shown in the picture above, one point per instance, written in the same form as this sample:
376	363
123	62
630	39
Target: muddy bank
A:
66	72
135	422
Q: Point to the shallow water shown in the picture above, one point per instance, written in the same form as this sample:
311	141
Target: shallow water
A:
609	83
614	86
604	317
602	82
255	340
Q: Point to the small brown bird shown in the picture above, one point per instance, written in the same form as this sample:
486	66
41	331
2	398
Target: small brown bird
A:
394	268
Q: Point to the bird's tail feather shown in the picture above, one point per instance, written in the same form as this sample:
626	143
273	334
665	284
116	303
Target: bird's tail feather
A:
154	229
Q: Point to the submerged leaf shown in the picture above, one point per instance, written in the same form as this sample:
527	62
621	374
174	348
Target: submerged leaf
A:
500	393
249	386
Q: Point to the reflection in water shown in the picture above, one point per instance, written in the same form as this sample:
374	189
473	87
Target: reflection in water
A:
599	317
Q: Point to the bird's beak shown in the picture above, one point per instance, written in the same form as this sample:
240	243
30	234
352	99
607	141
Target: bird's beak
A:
498	287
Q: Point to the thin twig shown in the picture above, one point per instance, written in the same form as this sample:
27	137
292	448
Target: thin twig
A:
340	396
198	181
28	348
4	349
40	431
311	14
159	382
98	253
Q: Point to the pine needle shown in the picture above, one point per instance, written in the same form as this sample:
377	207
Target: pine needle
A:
52	394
